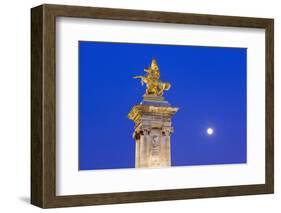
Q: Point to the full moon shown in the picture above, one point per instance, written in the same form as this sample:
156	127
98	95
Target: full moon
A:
210	131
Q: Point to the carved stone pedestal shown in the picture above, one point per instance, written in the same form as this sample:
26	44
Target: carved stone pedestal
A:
152	133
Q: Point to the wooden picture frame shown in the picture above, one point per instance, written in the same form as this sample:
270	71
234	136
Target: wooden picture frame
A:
43	105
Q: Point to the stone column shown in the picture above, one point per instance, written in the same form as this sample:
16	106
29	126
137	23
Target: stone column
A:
137	153
153	128
166	154
155	149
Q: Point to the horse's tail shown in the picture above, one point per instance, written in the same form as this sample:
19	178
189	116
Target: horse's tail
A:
166	86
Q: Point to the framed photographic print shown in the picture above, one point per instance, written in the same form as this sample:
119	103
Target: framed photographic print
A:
134	106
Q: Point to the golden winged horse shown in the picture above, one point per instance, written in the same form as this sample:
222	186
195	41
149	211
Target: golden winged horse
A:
154	87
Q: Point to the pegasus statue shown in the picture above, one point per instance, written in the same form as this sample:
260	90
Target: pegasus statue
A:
154	87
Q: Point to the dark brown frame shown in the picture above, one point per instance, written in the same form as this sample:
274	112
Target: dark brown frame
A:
43	105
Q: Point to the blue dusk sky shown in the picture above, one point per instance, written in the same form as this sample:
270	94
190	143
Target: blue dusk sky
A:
208	86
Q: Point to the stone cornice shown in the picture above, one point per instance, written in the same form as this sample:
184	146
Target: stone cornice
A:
139	110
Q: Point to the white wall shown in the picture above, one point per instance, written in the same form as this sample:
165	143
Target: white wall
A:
15	105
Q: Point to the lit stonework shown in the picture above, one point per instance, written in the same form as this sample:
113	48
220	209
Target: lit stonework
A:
153	125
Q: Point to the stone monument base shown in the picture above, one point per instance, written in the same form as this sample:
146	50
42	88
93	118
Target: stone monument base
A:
153	128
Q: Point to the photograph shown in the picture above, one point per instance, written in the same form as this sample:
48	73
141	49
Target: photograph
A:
157	106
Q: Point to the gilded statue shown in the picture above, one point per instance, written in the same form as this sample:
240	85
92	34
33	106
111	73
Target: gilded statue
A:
154	87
